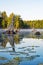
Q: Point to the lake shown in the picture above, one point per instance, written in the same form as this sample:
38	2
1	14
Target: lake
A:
21	49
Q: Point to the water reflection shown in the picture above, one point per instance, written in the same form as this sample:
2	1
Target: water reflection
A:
20	49
12	39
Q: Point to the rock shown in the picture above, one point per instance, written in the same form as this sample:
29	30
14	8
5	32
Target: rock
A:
37	33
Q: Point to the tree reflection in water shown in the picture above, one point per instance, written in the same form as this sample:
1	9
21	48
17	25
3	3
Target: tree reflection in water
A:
12	39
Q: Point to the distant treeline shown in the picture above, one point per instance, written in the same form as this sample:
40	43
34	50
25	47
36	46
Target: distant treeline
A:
19	23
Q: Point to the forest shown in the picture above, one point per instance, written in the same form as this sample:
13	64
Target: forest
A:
19	23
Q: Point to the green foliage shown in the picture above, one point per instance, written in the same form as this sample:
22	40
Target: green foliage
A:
35	23
5	22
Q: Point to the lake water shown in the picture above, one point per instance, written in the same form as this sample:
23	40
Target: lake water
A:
21	49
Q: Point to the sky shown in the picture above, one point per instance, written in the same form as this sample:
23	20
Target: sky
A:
27	9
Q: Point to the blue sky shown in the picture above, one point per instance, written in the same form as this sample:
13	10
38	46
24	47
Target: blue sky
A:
28	9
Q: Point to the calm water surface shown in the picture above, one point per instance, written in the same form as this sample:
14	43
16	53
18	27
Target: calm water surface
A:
21	49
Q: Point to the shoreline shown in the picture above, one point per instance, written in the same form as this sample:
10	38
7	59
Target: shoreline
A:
22	31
